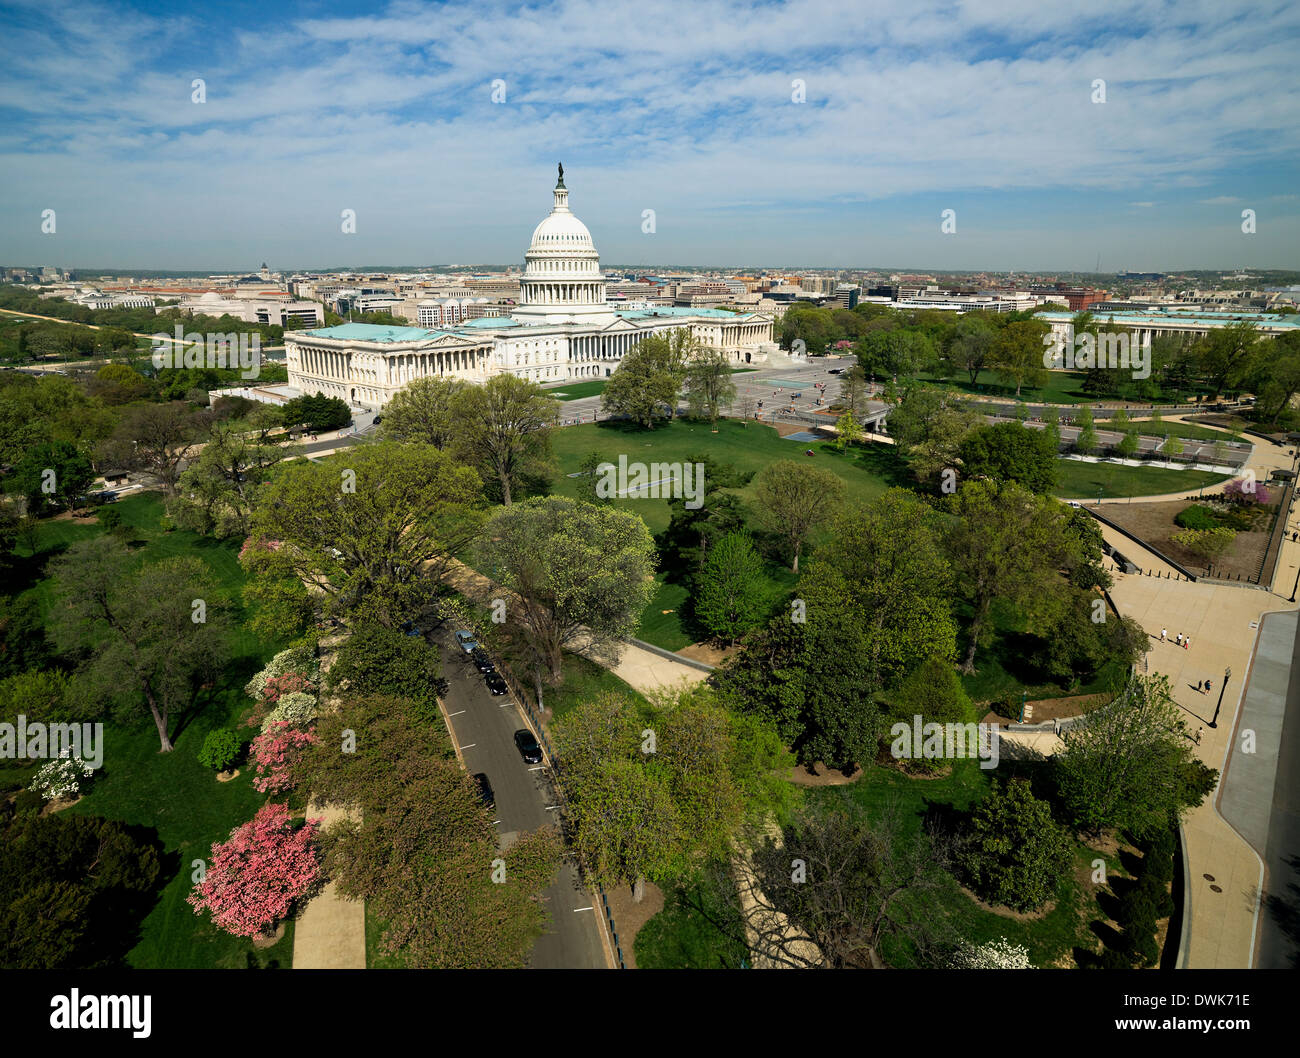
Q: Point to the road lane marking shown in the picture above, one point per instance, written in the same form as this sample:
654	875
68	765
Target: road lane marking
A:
470	746
457	713
540	767
577	909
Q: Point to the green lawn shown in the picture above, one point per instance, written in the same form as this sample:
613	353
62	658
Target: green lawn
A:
1062	387
867	470
171	794
698	929
1190	431
1050	939
584	680
576	390
1079	480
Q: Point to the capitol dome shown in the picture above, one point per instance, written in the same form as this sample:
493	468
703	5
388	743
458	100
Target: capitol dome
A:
561	281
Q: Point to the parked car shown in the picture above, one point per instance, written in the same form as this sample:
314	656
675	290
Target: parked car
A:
835	370
465	640
495	683
481	660
485	793
528	747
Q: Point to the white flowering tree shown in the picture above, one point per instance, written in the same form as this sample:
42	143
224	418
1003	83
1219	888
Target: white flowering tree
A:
300	659
994	955
296	708
62	777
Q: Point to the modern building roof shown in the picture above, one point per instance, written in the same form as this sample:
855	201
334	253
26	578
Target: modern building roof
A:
371	332
1193	317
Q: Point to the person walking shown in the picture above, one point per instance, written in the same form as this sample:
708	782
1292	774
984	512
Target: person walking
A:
1207	686
1198	735
1164	635
1187	643
1179	639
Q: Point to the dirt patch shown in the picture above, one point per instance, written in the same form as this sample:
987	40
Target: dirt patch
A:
629	917
801	776
710	655
1153	524
263	940
1051	709
226	776
785	429
1006	912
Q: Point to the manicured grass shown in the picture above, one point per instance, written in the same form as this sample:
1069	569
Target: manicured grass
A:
584	680
1079	480
698	929
665	629
867	470
1062	387
1050	939
576	390
171	794
1190	431
375	958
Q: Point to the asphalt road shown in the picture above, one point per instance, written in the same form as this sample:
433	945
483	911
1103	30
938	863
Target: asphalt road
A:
1279	944
484	728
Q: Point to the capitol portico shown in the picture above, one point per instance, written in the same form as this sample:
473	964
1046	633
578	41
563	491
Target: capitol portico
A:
561	330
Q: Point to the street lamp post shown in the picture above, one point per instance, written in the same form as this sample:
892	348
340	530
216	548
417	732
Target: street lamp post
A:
1227	675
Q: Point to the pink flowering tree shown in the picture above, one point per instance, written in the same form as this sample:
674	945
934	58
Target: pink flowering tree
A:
1246	491
275	754
257	874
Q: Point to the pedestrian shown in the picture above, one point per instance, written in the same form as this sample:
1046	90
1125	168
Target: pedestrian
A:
1207	686
1164	635
1179	639
1187	643
1198	735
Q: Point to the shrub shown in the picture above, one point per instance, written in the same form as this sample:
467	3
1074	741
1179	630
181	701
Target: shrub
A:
109	518
220	749
378	660
1196	517
1207	544
1017	852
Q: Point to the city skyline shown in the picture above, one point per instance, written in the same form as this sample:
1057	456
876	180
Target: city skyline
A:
309	110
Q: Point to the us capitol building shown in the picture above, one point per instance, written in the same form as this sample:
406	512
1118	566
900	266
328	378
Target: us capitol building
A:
562	330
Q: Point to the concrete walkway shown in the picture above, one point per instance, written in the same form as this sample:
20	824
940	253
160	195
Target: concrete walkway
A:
1223	622
330	933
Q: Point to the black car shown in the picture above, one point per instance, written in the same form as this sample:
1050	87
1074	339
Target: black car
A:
528	747
481	660
485	793
835	370
495	683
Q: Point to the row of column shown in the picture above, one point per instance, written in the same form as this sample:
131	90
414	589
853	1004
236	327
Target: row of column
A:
324	363
565	294
403	367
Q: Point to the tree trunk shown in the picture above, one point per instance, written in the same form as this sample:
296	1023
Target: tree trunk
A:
638	889
968	663
160	721
505	488
795	567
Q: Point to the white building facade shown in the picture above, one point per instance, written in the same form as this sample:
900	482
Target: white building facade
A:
562	329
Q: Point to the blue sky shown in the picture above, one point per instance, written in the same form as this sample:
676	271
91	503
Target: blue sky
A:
680	106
